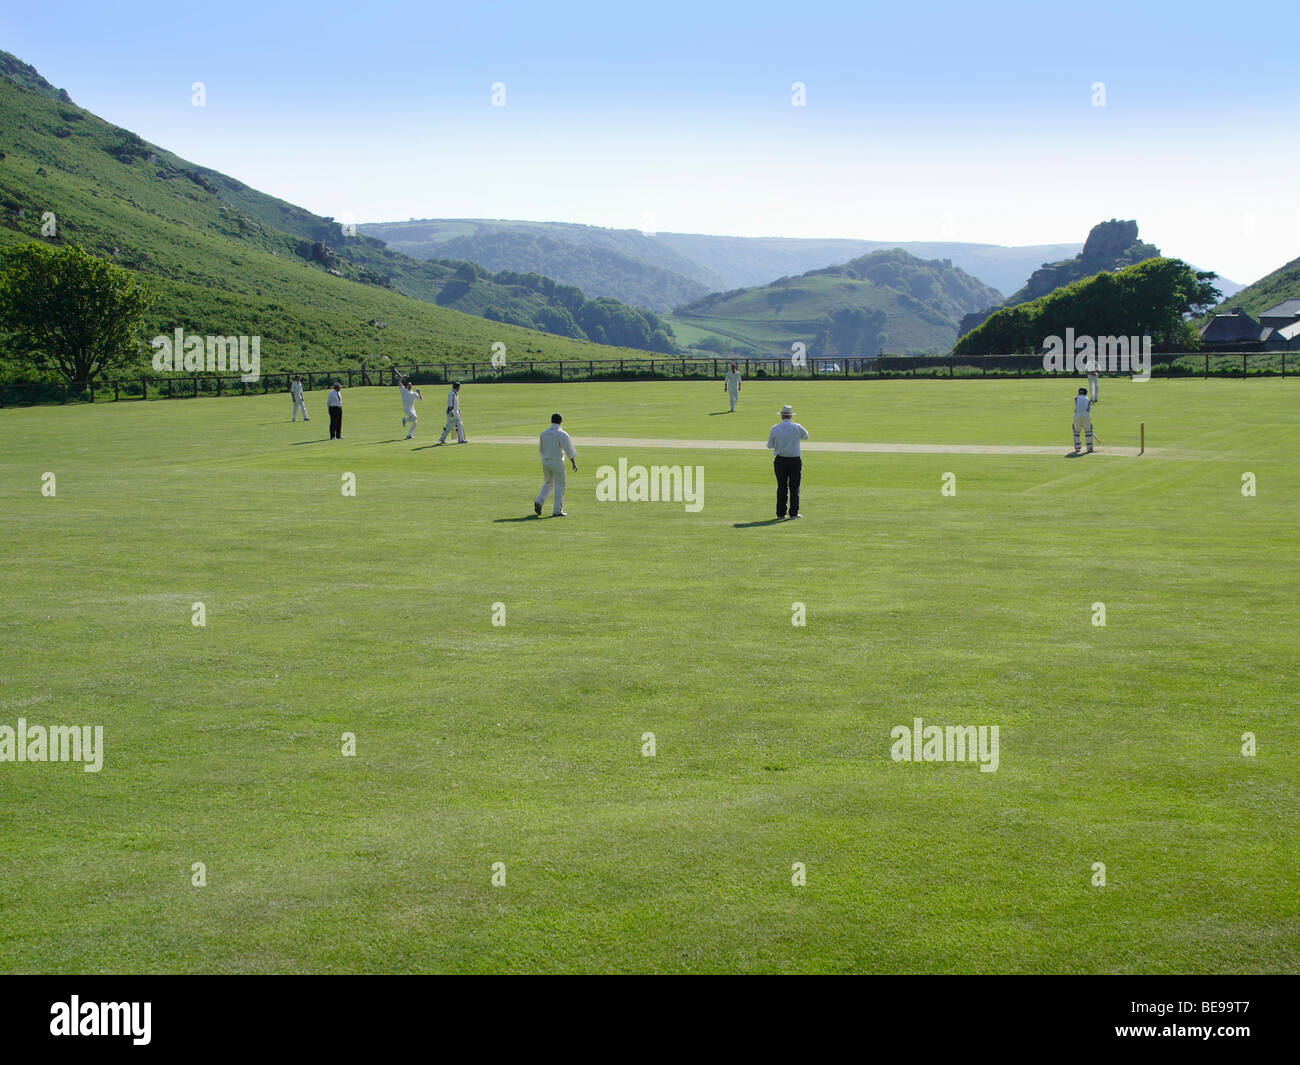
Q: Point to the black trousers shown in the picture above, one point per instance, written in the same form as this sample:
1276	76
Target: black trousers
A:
789	472
336	423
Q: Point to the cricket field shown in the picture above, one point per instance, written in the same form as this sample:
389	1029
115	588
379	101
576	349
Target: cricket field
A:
414	728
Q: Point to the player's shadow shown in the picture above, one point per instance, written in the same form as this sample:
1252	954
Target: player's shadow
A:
322	440
757	524
715	413
526	517
1075	454
394	440
426	447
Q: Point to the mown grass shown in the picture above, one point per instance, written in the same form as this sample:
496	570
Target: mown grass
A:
522	744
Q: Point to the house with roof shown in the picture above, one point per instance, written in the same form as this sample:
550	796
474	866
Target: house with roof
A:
1278	329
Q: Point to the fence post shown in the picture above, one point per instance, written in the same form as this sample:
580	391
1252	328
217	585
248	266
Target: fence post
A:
620	366
591	368
115	391
169	388
1284	364
1207	365
1243	366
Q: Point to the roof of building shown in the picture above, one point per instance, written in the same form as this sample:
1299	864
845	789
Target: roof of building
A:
1237	326
1285	309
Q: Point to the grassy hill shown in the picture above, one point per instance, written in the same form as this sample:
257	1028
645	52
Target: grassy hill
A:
898	303
668	269
623	264
226	259
1282	284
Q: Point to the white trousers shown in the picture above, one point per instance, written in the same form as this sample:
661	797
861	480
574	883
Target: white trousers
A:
300	405
1094	387
553	474
453	419
734	393
412	420
1082	422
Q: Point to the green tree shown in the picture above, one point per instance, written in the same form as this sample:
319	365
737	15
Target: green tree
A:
1154	298
66	311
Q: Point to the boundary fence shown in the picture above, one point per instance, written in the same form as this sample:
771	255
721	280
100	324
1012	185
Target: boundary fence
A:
1239	364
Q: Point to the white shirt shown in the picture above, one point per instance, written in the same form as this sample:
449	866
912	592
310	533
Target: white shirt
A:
296	389
1082	404
453	401
334	399
733	380
555	444
408	398
785	436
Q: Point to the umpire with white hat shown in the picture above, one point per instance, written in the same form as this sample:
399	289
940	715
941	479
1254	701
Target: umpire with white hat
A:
784	440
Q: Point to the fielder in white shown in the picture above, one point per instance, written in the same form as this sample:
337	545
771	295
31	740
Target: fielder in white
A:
453	416
409	396
1082	418
733	386
1094	385
299	404
554	445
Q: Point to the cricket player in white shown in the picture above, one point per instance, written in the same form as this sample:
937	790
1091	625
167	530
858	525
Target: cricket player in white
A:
1082	418
409	396
733	386
1094	384
554	445
299	404
453	416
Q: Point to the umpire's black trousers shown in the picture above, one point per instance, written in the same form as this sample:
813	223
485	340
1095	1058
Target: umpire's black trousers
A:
789	472
336	423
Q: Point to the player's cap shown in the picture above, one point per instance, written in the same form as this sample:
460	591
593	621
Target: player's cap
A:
1083	391
455	384
787	411
556	419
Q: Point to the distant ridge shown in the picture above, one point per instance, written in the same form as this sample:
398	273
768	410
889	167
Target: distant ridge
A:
664	270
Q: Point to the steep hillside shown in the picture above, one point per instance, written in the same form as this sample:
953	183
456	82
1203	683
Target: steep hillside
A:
1270	290
887	300
227	259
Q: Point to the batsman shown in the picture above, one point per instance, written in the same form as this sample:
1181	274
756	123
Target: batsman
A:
1082	418
453	416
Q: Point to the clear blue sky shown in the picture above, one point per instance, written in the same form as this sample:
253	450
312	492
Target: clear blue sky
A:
923	120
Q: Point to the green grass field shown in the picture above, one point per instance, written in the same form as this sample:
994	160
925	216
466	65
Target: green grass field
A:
478	744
